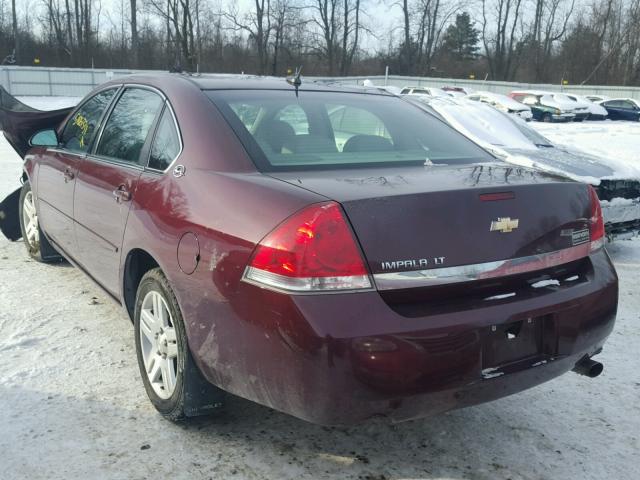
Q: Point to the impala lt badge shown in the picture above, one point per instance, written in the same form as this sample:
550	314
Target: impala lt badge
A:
412	263
504	225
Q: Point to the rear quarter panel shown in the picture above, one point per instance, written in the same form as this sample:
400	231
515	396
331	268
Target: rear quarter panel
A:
222	200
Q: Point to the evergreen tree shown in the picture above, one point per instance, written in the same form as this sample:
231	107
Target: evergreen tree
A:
461	38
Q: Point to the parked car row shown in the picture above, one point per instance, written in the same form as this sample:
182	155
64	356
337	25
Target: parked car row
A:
540	105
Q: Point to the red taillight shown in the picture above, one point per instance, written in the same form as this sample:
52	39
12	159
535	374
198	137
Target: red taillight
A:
596	222
313	250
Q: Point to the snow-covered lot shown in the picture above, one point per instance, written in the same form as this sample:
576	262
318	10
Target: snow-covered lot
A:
619	140
72	403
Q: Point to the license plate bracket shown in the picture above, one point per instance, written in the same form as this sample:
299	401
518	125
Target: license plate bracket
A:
515	341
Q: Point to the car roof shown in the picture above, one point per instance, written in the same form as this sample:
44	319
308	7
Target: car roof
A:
241	82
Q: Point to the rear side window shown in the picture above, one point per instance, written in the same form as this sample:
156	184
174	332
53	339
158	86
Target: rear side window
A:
327	130
128	125
81	128
166	143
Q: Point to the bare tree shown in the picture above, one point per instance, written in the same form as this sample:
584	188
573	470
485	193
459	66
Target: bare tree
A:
285	18
257	24
551	19
327	18
500	20
178	20
350	34
16	35
134	31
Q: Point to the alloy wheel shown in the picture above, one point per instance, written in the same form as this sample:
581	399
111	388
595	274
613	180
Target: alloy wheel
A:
159	344
30	220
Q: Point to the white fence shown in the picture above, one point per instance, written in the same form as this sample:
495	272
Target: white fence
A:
78	82
67	82
489	85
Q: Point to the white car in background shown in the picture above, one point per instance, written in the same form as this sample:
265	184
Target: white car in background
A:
425	91
596	112
581	109
503	103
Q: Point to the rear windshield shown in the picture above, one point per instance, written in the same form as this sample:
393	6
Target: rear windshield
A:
327	130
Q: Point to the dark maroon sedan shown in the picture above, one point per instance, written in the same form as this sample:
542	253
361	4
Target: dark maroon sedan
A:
332	253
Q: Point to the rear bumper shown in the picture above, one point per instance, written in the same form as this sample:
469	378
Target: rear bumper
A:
340	359
581	116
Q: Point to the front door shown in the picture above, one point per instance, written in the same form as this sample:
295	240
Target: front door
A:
58	169
107	180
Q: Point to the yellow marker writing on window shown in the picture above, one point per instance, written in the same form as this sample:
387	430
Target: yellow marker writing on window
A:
83	124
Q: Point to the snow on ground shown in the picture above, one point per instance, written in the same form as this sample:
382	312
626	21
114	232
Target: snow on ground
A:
618	141
72	404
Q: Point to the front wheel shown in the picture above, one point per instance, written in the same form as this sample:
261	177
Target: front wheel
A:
29	222
547	118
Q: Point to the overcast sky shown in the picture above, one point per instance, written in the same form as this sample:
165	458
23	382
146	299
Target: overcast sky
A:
380	16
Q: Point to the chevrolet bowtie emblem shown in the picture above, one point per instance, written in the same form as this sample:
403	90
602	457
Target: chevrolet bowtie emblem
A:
504	225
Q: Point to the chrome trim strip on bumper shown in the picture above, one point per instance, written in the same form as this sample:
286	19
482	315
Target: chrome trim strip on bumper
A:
282	283
482	271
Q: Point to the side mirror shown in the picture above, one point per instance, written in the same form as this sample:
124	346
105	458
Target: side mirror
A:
44	138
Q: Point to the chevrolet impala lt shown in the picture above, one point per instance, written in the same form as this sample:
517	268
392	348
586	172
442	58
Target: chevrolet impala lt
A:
332	253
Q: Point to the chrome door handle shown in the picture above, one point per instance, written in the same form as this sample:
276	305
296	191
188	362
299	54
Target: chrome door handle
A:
121	194
68	175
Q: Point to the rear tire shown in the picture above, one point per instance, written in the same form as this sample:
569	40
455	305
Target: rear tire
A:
29	225
171	379
547	118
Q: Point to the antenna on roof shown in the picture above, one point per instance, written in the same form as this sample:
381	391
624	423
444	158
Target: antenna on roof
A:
295	80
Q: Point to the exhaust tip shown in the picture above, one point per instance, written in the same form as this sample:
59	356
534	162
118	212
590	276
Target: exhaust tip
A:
589	368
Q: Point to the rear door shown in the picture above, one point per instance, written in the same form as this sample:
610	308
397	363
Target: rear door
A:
107	180
615	109
58	168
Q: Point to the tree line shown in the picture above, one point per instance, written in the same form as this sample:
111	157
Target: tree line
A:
542	41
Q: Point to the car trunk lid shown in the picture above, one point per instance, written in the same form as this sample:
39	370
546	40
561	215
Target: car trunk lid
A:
19	122
416	219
